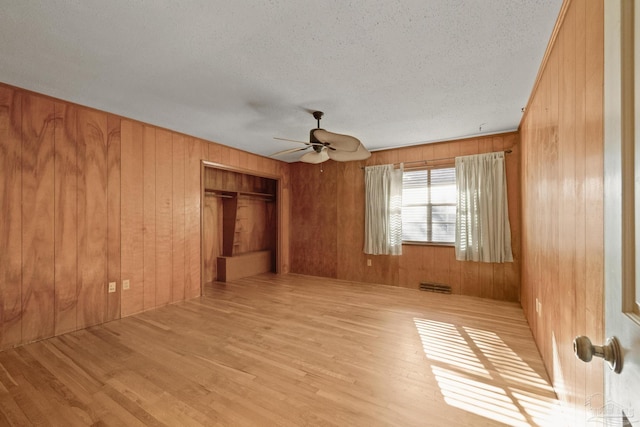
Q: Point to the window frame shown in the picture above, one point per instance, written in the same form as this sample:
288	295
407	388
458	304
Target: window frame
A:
429	207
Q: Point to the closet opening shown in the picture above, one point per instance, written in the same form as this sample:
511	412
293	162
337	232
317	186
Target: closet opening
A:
240	216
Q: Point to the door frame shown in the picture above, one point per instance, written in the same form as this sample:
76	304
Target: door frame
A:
279	262
620	213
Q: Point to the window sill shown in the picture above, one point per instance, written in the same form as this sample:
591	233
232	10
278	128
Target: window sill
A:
428	244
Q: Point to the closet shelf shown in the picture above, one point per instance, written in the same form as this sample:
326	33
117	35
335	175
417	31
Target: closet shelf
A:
234	193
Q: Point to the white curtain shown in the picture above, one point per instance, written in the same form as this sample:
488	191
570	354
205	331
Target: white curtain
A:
383	210
482	219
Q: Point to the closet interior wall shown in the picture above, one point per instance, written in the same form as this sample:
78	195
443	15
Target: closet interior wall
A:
240	216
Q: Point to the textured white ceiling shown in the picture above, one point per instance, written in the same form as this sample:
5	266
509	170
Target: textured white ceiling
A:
391	73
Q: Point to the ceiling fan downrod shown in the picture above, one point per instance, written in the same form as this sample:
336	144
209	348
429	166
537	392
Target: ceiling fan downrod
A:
318	115
317	146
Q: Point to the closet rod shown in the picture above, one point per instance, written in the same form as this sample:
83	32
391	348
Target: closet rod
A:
261	198
431	160
265	198
222	196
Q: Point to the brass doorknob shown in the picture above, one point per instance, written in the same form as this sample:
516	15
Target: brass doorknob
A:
585	350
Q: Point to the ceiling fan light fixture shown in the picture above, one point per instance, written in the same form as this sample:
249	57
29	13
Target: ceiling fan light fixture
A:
315	157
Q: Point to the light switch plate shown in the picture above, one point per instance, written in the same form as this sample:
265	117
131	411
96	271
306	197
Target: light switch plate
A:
125	284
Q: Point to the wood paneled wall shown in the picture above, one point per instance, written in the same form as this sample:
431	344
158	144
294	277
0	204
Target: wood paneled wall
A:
88	198
156	167
328	222
562	202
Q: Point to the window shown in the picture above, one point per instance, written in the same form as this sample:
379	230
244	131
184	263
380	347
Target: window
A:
429	205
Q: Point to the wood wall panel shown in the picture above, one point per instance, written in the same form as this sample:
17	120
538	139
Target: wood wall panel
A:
86	198
350	265
485	280
11	224
38	207
512	271
113	216
252	162
149	220
213	153
253	226
566	44
594	169
562	204
132	253
470	279
193	159
92	217
336	196
284	201
66	218
178	219
164	220
235	158
211	230
579	319
314	219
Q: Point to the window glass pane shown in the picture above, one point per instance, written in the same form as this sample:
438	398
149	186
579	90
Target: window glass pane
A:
414	179
414	196
443	193
443	220
443	185
428	205
443	213
444	233
414	223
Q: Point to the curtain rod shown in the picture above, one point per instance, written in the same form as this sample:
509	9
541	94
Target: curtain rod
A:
432	160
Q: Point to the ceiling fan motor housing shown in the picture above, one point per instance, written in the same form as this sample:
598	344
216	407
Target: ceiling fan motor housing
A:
317	145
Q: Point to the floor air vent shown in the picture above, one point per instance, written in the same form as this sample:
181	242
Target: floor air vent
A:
435	287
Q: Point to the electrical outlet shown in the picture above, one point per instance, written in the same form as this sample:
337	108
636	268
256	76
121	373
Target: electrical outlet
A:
125	284
368	263
112	287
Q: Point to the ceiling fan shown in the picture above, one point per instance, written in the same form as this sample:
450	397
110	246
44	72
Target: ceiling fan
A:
328	145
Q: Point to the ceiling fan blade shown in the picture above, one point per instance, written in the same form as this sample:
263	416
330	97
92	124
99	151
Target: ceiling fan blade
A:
292	140
315	158
336	140
290	150
348	156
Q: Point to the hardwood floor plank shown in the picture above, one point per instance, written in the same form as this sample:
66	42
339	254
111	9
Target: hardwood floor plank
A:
289	350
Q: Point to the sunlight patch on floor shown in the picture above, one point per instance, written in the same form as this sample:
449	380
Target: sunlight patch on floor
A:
478	372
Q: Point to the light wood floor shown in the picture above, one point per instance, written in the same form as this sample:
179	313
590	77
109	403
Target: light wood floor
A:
291	351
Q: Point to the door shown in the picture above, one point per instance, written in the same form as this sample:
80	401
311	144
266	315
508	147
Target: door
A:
622	207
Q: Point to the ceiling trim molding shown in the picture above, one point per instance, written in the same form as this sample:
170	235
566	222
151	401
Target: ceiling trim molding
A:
461	138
